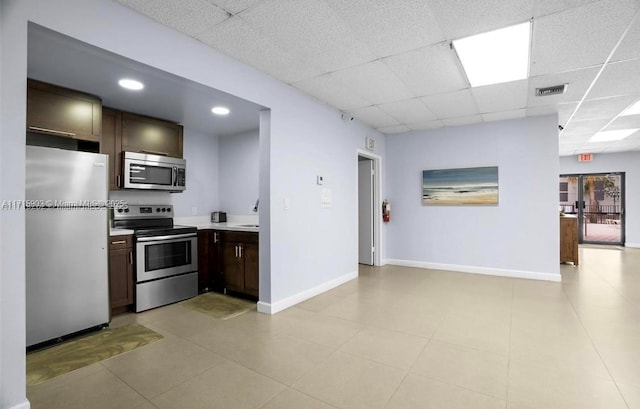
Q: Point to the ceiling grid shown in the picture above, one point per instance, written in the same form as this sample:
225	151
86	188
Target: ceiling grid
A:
390	64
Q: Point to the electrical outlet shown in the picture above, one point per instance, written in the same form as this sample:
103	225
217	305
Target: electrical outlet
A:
319	180
194	211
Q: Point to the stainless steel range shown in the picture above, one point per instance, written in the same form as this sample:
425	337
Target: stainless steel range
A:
166	255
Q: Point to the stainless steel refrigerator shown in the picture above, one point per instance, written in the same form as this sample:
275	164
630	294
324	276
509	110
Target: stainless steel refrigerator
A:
67	286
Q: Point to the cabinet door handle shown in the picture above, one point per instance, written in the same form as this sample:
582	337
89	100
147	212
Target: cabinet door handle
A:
118	181
131	257
119	242
53	131
236	247
241	248
215	236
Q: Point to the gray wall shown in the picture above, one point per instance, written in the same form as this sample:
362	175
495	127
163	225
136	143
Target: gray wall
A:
201	153
519	237
628	162
239	164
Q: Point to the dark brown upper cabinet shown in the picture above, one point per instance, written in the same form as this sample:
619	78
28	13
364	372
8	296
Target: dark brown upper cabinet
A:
63	112
150	135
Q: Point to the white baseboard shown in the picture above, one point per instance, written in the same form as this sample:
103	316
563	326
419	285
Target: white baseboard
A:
273	308
533	275
632	245
22	405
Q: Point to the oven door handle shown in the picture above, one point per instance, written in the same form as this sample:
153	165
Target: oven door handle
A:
168	237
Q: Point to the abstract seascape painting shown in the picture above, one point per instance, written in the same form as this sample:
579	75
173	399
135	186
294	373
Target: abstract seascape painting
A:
464	186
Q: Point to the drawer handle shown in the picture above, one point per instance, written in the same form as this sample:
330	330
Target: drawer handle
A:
119	242
53	131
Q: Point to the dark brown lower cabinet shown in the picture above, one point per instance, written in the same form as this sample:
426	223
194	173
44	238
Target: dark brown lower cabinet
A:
209	273
120	273
240	262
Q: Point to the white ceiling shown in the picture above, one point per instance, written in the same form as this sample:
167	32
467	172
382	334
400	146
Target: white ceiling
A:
388	62
55	58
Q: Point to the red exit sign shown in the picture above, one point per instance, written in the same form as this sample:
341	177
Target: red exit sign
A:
585	157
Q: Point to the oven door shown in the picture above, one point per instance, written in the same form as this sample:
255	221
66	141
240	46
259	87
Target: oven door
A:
165	256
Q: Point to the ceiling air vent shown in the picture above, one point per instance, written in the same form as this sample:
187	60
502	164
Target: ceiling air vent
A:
554	90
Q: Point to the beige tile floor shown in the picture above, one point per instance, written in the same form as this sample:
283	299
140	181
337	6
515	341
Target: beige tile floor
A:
394	338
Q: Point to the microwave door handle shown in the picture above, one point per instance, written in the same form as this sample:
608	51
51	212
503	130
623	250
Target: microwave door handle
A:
174	176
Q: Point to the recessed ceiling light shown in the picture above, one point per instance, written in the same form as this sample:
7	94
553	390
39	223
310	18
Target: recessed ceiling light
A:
632	110
220	110
607	136
131	84
497	56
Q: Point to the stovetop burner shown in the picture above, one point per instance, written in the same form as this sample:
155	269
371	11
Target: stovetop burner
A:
149	220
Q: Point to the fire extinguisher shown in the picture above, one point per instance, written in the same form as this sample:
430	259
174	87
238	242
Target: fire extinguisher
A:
386	211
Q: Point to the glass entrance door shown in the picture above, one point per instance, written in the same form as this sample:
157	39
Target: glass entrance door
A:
598	202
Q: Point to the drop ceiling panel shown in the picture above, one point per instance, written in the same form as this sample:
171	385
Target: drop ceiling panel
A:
577	81
574	140
390	27
507	96
460	18
423	126
394	129
500	116
579	37
590	126
620	78
629	47
625	122
452	104
374	82
327	88
239	40
374	116
603	108
309	28
234	6
465	120
546	7
408	111
565	111
428	71
192	17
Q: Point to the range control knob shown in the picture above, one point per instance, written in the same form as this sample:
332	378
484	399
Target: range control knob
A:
126	210
158	209
119	210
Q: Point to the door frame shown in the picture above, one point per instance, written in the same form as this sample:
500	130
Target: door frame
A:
377	203
579	209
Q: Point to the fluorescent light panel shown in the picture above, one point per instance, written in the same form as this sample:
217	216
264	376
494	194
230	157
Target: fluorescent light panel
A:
608	136
496	56
632	110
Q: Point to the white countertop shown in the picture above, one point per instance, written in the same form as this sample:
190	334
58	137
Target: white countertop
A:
234	222
227	226
246	223
119	232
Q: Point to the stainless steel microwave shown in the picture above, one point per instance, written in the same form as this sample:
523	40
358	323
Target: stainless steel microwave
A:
153	172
